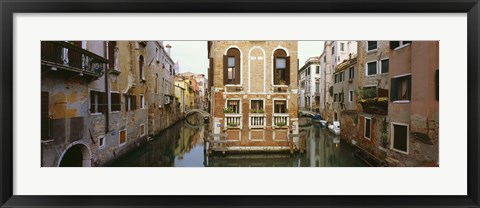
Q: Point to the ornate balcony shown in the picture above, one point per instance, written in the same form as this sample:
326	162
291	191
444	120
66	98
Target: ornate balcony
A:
280	120
257	120
233	120
60	55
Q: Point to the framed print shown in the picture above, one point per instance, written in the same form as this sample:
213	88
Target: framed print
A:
211	103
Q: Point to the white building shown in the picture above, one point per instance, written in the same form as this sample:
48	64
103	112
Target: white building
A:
202	83
334	52
309	84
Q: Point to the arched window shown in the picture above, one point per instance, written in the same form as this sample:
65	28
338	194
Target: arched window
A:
281	65
231	67
140	67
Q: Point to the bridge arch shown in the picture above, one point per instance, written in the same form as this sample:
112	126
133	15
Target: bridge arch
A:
204	113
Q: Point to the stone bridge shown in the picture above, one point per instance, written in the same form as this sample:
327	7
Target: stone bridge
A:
204	113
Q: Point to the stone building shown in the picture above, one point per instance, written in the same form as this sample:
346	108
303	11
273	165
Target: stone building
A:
365	123
254	93
309	85
94	102
344	87
334	53
202	91
414	103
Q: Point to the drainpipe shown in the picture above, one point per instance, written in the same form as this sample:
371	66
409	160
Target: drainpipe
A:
107	114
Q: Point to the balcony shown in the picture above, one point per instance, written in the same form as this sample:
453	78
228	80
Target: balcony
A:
256	120
375	105
280	88
74	60
280	120
233	121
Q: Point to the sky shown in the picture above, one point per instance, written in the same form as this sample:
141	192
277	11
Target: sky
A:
192	55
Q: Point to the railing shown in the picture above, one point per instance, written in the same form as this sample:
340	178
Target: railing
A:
280	120
63	55
257	120
233	120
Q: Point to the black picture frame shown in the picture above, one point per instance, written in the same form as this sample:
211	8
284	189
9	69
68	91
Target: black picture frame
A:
10	7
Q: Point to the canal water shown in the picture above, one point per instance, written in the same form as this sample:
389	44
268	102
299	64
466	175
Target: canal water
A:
182	145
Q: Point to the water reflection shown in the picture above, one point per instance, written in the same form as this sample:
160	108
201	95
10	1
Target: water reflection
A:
183	145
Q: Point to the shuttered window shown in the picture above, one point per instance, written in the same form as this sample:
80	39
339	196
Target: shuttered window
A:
257	105
98	102
372	68
384	65
437	85
371	45
141	63
111	54
232	68
401	88
45	117
123	136
400	138
351	73
281	65
368	128
115	104
130	102
280	106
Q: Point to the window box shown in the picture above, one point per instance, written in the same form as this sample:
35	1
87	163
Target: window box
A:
375	105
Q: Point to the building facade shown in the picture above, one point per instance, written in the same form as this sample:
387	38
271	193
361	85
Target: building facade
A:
309	85
95	100
254	93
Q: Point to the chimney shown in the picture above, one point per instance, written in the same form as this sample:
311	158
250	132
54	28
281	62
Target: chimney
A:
168	46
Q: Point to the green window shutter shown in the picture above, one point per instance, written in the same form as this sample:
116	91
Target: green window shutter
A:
393	89
394	44
409	78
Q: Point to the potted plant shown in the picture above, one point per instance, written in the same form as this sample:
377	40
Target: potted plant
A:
280	124
261	111
253	110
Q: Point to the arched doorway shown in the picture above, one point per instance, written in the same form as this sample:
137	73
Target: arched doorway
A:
77	155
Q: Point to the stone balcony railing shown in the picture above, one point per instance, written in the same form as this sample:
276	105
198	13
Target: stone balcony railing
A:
280	120
257	120
233	120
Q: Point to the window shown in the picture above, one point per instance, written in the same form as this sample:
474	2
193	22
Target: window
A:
384	65
111	54
324	58
397	44
142	129
234	105
98	102
280	106
308	71
232	66
317	71
157	58
140	68
170	68
351	73
45	116
156	84
369	92
335	80
101	141
282	68
142	102
372	68
350	96
123	136
368	128
400	137
317	86
371	45
115	104
342	76
256	106
130	102
342	46
333	50
437	84
340	97
401	88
